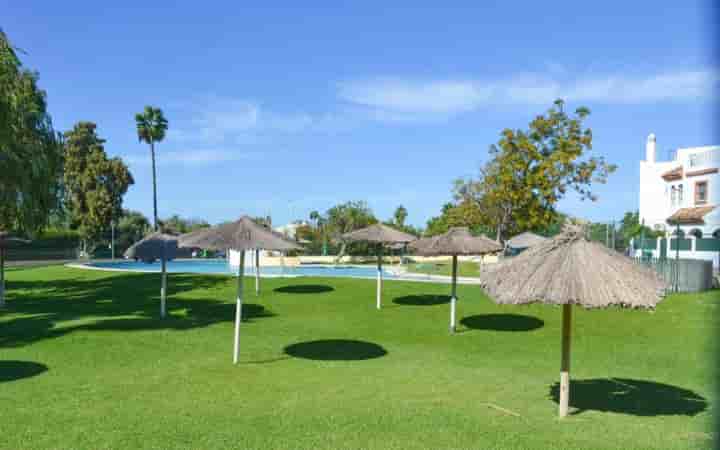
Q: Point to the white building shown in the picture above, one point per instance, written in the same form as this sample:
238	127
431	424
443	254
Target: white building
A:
684	191
290	230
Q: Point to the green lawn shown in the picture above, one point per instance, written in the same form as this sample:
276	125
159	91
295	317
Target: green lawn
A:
465	268
86	363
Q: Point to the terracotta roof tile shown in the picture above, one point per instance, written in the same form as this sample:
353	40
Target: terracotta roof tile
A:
674	174
687	216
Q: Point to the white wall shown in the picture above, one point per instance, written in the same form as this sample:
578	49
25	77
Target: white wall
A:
655	198
654	203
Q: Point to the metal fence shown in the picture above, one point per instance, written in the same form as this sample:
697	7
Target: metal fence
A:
682	275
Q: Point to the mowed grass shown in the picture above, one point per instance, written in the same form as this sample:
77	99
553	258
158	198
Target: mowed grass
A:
465	268
87	363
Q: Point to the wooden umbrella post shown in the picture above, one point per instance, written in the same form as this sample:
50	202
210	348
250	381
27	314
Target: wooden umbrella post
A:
565	362
453	298
379	276
238	307
257	271
163	286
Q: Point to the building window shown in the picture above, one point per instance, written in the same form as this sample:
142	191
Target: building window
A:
701	192
676	195
680	194
673	196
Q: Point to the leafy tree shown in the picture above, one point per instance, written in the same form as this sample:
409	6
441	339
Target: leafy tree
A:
315	218
30	150
94	184
400	215
466	213
530	171
151	128
131	227
439	224
347	217
178	225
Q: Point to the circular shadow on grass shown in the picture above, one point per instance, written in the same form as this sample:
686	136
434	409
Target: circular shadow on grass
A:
335	350
627	396
422	300
305	289
502	322
15	370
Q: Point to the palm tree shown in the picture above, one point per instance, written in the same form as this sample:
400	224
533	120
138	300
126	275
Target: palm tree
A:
400	216
315	217
151	127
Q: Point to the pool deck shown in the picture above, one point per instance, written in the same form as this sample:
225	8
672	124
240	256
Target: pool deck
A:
399	274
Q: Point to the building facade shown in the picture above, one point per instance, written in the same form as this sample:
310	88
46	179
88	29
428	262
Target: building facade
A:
682	192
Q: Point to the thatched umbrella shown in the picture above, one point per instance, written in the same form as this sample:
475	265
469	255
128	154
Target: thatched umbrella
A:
156	246
5	239
567	270
380	235
525	240
456	241
241	235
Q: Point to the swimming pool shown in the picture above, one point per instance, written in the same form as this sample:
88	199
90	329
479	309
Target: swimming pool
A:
222	267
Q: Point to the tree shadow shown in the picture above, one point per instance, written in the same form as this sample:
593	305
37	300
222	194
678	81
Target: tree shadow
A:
627	396
105	302
304	289
16	370
335	350
422	300
502	322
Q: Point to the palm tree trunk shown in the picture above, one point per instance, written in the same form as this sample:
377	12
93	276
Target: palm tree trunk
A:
155	215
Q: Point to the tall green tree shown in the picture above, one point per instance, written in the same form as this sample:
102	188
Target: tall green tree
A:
531	170
179	225
30	150
347	217
400	215
151	128
132	226
315	218
94	184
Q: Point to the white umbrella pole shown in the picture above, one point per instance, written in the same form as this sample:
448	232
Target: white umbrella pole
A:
2	277
565	362
453	298
379	277
163	287
257	271
238	307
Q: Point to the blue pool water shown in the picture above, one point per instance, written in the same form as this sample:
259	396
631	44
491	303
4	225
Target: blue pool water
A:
222	267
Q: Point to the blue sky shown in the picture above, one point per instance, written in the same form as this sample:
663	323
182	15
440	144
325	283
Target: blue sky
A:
279	109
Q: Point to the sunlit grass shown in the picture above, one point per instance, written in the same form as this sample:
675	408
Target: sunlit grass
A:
87	363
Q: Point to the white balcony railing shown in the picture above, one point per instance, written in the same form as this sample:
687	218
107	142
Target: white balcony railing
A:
704	159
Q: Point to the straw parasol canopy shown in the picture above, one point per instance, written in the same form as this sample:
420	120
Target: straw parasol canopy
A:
567	270
379	234
526	240
5	239
241	235
456	241
151	248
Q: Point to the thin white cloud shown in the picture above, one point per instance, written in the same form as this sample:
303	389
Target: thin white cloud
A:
414	96
189	157
214	119
397	99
